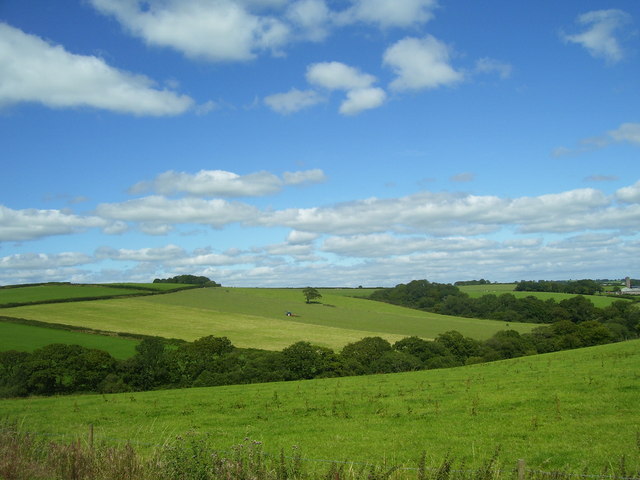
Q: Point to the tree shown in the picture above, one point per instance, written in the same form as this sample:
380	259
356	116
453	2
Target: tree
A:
360	355
304	360
310	294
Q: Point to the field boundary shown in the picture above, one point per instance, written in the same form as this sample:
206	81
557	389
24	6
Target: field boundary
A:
89	330
137	291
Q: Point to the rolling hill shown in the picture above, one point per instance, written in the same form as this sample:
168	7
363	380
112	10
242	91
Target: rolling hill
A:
253	317
574	410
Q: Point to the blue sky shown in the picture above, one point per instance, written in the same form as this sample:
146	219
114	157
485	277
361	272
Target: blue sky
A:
319	142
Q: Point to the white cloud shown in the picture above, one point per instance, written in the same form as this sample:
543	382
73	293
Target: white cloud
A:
297	237
167	252
385	244
312	17
306	176
630	194
29	261
361	99
221	183
388	13
462	214
162	212
627	132
293	101
491	65
30	224
223	30
36	71
338	76
599	37
421	63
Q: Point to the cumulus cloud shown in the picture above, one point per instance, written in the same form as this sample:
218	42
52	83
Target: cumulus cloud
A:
463	214
312	17
224	30
599	36
293	101
385	244
36	71
162	211
630	194
30	224
361	99
297	237
167	252
421	63
388	13
30	261
220	183
358	85
338	76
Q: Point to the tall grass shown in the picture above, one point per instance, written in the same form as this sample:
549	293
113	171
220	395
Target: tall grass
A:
190	457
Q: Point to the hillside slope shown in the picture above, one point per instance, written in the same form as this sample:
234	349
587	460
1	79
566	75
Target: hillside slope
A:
573	409
257	317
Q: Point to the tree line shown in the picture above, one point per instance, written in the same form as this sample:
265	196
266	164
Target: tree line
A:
189	280
577	287
212	361
621	316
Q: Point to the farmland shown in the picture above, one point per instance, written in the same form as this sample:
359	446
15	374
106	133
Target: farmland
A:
26	338
574	409
476	291
53	292
253	317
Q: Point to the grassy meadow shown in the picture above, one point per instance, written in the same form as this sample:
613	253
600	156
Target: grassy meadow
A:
26	338
52	292
477	291
254	317
575	410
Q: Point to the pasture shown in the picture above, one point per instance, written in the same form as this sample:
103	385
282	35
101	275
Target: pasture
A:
254	317
56	292
477	291
573	410
26	338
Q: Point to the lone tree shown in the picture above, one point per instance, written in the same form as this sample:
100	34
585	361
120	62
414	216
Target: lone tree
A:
311	293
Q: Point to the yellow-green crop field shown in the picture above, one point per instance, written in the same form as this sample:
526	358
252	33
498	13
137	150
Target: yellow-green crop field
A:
253	317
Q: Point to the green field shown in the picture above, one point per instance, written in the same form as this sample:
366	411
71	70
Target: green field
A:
253	317
42	293
574	409
26	338
160	287
476	291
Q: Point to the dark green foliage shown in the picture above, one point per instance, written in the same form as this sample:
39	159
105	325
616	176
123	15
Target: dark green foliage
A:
482	281
210	361
578	287
303	360
420	294
188	280
449	300
311	294
363	353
